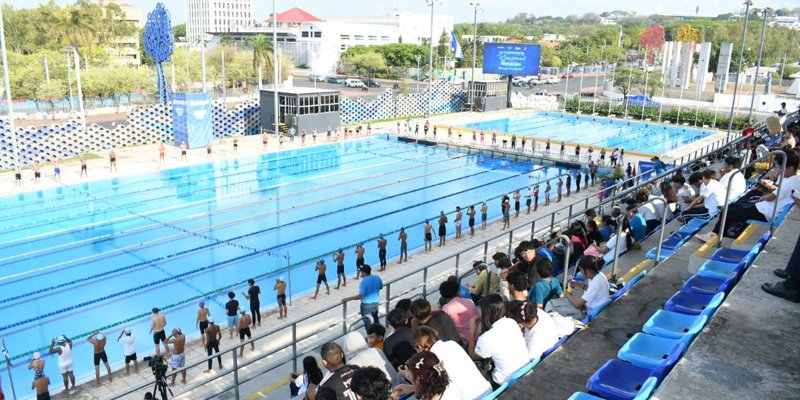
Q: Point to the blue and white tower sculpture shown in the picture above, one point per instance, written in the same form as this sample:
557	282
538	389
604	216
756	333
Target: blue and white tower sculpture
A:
158	45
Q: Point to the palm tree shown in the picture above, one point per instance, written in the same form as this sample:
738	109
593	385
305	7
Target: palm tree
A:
262	53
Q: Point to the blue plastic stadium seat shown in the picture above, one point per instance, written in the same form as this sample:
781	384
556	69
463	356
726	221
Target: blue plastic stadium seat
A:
764	238
647	389
721	270
618	380
647	350
694	225
583	396
672	325
694	304
675	240
651	255
732	256
496	392
522	371
708	285
597	311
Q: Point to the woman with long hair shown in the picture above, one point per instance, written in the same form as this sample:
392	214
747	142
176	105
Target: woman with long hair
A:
304	384
499	338
428	375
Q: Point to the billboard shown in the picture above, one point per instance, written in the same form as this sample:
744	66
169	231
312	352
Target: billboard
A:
191	118
511	58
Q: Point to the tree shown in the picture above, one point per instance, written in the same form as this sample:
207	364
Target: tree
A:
652	39
627	78
179	32
50	91
366	63
654	83
443	50
549	57
262	55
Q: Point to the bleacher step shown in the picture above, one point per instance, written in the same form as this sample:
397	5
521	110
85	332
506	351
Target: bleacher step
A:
703	254
749	237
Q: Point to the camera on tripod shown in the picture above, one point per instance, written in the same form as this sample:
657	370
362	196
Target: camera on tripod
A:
159	367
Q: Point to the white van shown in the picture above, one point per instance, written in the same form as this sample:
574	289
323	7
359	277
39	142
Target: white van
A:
353	83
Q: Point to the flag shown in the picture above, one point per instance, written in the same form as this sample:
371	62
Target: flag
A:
619	44
454	45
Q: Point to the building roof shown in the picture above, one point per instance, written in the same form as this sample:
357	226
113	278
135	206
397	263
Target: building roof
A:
295	15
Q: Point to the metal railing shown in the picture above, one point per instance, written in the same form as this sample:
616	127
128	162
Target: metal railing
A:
317	333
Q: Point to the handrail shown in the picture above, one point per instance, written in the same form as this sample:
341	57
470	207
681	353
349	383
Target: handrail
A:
711	148
724	215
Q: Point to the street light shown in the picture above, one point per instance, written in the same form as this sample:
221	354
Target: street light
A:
747	5
476	5
758	64
430	62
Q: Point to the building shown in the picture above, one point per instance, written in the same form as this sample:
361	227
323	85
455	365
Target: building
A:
126	50
216	17
610	20
791	22
552	40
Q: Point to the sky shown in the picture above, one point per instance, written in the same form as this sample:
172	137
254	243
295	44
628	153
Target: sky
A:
492	10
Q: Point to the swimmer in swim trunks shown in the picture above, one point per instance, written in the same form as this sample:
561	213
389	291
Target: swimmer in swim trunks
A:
41	384
178	360
428	236
84	173
112	161
203	313
244	332
98	341
457	222
183	151
321	277
56	171
18	176
37	173
442	228
157	325
360	250
280	287
340	276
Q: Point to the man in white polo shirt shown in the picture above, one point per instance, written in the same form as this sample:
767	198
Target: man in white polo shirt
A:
712	195
731	175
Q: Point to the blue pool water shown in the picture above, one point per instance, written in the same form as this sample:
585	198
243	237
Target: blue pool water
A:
100	255
587	131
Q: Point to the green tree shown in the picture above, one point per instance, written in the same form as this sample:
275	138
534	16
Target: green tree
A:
262	55
50	91
179	32
626	79
367	63
443	50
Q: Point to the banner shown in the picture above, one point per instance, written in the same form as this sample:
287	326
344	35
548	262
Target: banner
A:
192	119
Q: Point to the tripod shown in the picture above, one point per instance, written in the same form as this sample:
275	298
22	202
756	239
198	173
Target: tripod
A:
160	388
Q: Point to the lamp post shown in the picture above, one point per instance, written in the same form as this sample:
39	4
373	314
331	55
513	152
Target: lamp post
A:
419	67
758	64
203	46
476	5
747	5
430	63
80	90
275	67
69	80
8	92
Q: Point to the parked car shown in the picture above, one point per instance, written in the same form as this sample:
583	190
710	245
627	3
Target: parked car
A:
316	78
535	82
353	83
335	79
553	79
567	76
372	82
519	81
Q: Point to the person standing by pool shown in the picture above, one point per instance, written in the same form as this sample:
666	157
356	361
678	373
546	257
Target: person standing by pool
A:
252	294
559	185
129	350
236	145
428	236
494	139
221	145
244	332
157	324
369	292
41	384
321	277
178	360
183	151
280	287
442	228
403	238
577	152
64	351
569	184
578	182
265	138
590	151
602	155
513	141
360	250
208	150
341	278
621	155
84	173
471	222
382	251
484	214
37	172
547	148
112	161
506	207
232	311
535	197
56	171
18	176
203	314
517	198
457	222
529	200
547	193
563	149
98	341
614	156
213	337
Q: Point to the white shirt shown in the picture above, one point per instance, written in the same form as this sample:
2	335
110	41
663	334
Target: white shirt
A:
713	194
738	186
767	207
505	345
542	336
128	344
685	191
465	379
597	292
611	243
530	194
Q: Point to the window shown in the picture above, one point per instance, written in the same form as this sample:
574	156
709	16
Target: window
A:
373	37
317	34
359	37
343	47
344	37
305	34
385	38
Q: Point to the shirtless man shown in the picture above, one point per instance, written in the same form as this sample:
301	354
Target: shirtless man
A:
37	173
321	277
235	145
382	251
471	221
161	154
360	250
157	325
56	171
18	175
442	228
265	140
457	222
213	336
64	351
428	236
178	360
280	287
484	214
183	151
37	363
403	238
84	173
41	383
340	276
203	314
98	341
209	150
244	331
112	161
221	145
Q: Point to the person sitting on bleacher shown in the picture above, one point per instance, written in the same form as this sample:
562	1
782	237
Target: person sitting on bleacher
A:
606	228
429	377
357	352
593	232
652	211
606	249
730	171
397	346
684	191
712	195
761	208
638	224
495	336
595	291
438	320
483	273
538	328
460	310
547	288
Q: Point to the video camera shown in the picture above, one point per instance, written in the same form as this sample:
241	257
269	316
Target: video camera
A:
159	367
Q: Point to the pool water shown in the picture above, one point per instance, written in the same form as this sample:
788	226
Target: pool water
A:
586	130
101	254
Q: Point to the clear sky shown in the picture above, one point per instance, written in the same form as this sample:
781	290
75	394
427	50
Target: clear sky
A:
493	10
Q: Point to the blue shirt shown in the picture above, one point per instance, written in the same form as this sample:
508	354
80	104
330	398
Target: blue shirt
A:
543	291
605	232
464	292
545	252
370	288
638	227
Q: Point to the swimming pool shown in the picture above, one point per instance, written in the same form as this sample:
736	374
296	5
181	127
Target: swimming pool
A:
586	130
101	254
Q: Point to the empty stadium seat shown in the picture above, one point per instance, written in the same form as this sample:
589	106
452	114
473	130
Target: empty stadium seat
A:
721	270
693	303
647	350
732	256
618	380
628	285
672	325
708	285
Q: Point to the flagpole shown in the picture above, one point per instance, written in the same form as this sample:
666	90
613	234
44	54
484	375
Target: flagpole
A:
8	92
476	5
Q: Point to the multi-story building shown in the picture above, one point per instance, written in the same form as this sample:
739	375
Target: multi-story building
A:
216	17
791	22
126	49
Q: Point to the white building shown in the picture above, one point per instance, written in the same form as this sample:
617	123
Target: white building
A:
125	50
217	16
791	22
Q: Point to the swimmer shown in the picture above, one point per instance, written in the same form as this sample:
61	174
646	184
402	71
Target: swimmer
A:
213	337
208	150
203	313
41	383
471	222
360	250
231	310
252	294
161	153
37	173
403	238
382	251
84	173
442	228
56	171
64	351
178	341
280	287
235	145
340	276
484	214
157	324
428	236
244	331
98	341
321	277
457	222
112	161
517	197
183	151
18	176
